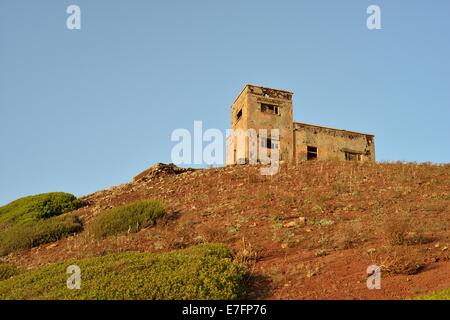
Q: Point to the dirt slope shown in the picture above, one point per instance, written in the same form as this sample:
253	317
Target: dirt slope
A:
309	232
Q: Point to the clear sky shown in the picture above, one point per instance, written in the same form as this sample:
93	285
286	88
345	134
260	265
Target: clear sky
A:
86	109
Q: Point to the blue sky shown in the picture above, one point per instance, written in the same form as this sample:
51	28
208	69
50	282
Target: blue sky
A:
86	109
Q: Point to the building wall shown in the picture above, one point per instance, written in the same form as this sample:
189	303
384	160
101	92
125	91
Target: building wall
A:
332	144
249	102
233	152
294	139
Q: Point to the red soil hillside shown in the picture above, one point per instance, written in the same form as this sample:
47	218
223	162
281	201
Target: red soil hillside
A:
309	232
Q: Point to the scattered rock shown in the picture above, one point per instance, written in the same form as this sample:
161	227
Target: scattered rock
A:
199	239
290	224
158	170
302	220
321	253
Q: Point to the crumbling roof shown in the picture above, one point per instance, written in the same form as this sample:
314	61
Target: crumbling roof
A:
329	128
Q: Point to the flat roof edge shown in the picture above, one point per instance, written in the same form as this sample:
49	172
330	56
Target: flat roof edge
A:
257	86
336	129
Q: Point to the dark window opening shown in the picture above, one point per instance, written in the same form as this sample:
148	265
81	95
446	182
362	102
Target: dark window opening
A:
270	108
351	156
239	115
268	143
311	153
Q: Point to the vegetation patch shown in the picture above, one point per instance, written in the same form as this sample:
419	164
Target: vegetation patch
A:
323	222
205	271
31	234
38	207
35	220
395	228
396	260
438	295
127	218
7	271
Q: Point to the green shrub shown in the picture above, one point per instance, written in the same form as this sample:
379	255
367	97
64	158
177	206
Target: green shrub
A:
127	218
7	271
37	207
35	220
201	272
34	233
439	295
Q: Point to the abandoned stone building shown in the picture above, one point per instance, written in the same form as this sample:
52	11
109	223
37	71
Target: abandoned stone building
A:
258	108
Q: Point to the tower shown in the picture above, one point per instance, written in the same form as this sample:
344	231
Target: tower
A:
261	109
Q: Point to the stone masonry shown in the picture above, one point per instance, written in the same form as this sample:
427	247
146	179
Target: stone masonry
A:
260	108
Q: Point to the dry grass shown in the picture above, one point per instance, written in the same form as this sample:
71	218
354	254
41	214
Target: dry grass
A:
213	233
395	228
246	255
349	235
399	260
182	236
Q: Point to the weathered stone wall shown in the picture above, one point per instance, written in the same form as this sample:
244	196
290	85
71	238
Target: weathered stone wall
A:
249	103
264	120
331	143
233	151
294	138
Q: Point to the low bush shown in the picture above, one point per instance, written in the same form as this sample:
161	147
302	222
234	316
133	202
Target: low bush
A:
205	271
127	218
395	228
34	233
37	207
396	260
7	271
438	295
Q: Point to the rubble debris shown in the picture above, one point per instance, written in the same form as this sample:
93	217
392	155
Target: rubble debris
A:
158	170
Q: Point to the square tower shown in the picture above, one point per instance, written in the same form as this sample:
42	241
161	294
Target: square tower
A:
261	109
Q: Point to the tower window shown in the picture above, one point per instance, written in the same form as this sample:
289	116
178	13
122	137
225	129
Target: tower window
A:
269	143
311	153
238	115
270	108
